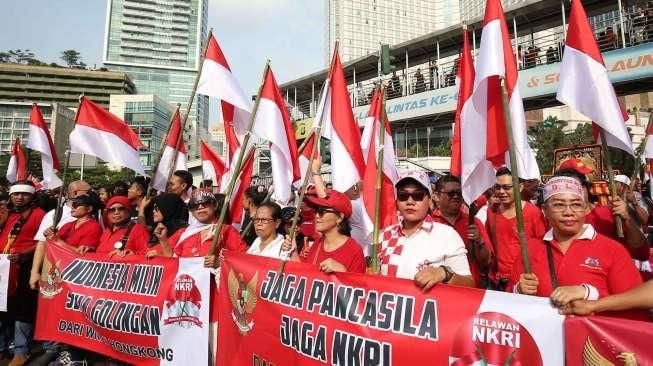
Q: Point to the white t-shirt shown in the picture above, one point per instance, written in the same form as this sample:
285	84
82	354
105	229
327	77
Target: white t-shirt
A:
272	250
439	246
47	220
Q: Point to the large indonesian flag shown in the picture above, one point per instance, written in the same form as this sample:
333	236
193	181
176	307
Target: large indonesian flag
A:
465	80
17	167
99	133
40	140
340	127
584	82
274	125
217	80
212	166
483	125
173	156
389	174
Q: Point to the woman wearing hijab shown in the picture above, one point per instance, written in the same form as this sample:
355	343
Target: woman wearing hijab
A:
169	212
83	234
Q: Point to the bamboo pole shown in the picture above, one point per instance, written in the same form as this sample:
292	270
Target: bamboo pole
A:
514	169
613	189
239	165
379	178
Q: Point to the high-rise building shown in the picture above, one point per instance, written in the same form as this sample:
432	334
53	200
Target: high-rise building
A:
158	44
360	25
149	116
475	9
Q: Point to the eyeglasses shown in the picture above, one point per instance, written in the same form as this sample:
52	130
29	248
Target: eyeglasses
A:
505	187
262	220
453	193
116	209
322	210
559	207
415	195
200	204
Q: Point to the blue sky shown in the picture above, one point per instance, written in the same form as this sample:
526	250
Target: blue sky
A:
288	32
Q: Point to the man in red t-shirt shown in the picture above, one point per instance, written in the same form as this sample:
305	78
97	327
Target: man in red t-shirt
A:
501	226
19	221
572	261
477	242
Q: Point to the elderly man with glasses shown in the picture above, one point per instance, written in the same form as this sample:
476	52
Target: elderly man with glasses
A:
501	226
572	261
418	248
450	212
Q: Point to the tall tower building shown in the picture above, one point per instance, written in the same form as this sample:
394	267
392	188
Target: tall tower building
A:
360	25
475	9
158	44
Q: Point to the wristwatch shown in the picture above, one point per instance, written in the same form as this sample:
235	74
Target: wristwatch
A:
448	274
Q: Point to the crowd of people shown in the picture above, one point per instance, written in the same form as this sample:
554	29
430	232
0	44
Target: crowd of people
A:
576	257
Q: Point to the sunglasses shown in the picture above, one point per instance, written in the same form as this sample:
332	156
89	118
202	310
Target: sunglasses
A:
116	209
322	210
200	204
454	193
415	195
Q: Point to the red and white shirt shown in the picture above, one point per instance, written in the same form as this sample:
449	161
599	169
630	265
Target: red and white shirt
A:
432	245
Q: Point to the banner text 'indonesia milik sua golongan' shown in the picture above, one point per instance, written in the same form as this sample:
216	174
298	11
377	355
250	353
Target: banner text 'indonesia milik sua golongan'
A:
303	316
128	309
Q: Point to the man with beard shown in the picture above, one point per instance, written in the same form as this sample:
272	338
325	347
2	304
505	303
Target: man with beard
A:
19	225
476	240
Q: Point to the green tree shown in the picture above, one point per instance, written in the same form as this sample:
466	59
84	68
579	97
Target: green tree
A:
18	56
72	58
444	149
544	138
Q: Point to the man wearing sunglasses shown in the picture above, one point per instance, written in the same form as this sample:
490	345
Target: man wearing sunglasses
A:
572	261
476	240
418	248
122	236
501	226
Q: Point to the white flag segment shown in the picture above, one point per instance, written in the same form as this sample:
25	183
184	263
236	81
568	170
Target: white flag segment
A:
212	165
99	133
304	158
584	82
39	139
274	125
217	80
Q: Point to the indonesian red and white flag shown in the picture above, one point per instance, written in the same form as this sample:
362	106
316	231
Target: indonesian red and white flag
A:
304	159
99	133
173	156
243	182
465	81
340	127
17	167
482	118
212	166
233	143
40	140
389	174
217	80
274	125
584	82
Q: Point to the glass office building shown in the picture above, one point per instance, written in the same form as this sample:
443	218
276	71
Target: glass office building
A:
158	44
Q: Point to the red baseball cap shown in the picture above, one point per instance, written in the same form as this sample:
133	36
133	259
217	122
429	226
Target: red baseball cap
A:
123	200
577	165
334	199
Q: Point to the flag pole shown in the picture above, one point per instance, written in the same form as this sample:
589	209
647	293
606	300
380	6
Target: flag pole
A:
514	169
162	148
379	177
180	138
613	189
239	165
641	152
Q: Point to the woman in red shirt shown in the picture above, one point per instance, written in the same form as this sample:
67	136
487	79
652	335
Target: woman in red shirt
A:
83	234
335	251
122	236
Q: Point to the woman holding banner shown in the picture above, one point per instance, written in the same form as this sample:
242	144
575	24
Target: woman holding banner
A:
335	251
122	236
83	234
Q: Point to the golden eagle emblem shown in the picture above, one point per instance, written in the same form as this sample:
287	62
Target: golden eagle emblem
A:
243	298
51	286
592	357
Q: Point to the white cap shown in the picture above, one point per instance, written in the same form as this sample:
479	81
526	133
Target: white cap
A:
419	176
22	188
622	179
